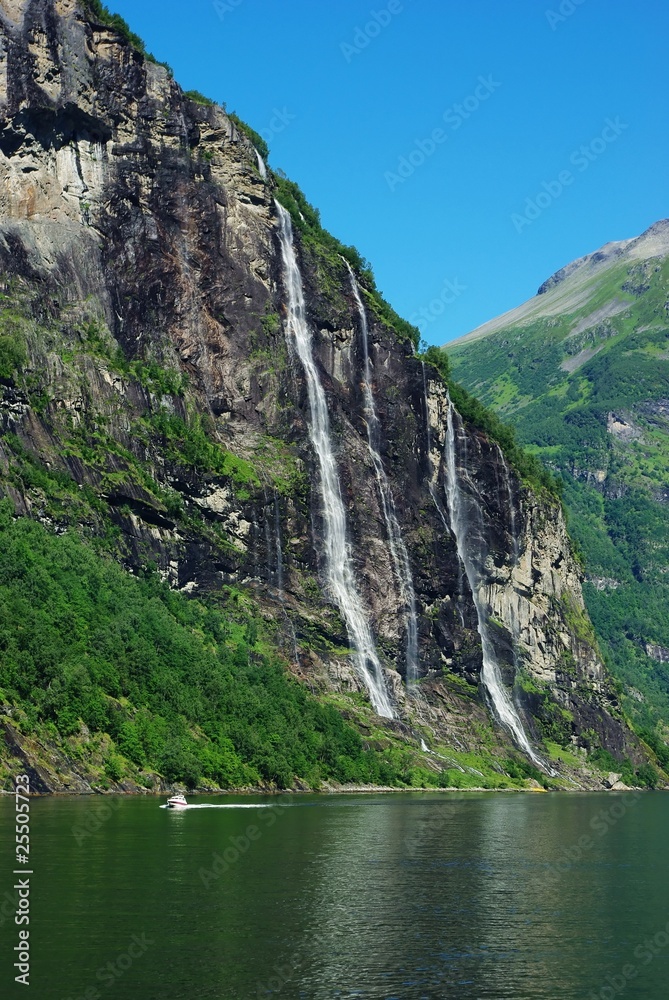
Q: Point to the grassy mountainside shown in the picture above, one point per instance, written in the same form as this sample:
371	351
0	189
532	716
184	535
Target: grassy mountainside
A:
128	684
582	371
153	421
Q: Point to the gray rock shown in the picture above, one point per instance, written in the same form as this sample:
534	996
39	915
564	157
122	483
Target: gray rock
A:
133	212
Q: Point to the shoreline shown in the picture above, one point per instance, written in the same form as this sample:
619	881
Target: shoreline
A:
343	790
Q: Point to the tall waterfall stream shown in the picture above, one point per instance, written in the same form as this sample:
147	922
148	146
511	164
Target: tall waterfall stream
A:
398	551
466	536
338	562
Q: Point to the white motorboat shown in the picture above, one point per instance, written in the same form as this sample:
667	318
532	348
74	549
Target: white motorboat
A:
177	801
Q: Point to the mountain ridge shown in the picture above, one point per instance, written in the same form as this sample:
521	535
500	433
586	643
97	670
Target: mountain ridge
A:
581	372
152	407
552	298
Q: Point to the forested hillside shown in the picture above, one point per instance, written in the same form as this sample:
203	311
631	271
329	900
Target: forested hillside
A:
582	372
249	538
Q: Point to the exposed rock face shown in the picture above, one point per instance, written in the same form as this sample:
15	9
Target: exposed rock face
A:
138	241
659	653
50	770
544	640
622	427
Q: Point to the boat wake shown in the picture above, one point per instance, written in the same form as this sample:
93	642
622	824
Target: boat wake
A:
225	805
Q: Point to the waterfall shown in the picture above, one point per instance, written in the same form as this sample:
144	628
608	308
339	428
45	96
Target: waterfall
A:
428	434
515	549
433	492
338	560
515	628
261	166
268	540
467	524
279	552
512	510
398	551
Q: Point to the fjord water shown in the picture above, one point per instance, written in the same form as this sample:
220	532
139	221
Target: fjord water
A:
403	896
338	560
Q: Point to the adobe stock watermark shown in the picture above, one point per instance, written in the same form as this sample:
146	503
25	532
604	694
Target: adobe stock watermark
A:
454	117
238	846
600	824
564	11
95	819
223	7
22	875
581	159
279	122
645	953
109	974
363	35
451	290
284	972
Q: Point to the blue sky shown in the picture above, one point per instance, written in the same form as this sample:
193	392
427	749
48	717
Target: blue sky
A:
468	148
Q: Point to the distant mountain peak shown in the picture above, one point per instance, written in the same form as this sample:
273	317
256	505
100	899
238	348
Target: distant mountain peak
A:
574	284
605	253
654	242
582	372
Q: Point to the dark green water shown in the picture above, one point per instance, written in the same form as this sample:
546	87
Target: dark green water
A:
375	896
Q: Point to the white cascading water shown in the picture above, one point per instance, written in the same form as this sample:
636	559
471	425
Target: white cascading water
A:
515	631
465	539
338	561
279	551
261	166
428	433
398	551
432	488
516	549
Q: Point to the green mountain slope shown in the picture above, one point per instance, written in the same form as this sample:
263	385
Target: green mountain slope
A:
132	684
582	371
167	607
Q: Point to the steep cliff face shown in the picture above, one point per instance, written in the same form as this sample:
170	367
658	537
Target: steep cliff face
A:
581	371
543	640
149	379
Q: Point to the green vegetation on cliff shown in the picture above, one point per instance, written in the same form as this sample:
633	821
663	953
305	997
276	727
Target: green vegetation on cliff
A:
587	388
93	658
525	464
185	689
307	221
104	16
251	134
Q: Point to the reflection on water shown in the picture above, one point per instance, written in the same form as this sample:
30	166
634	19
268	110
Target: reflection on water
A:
402	897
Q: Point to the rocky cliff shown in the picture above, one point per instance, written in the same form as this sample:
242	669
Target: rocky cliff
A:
581	371
150	396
